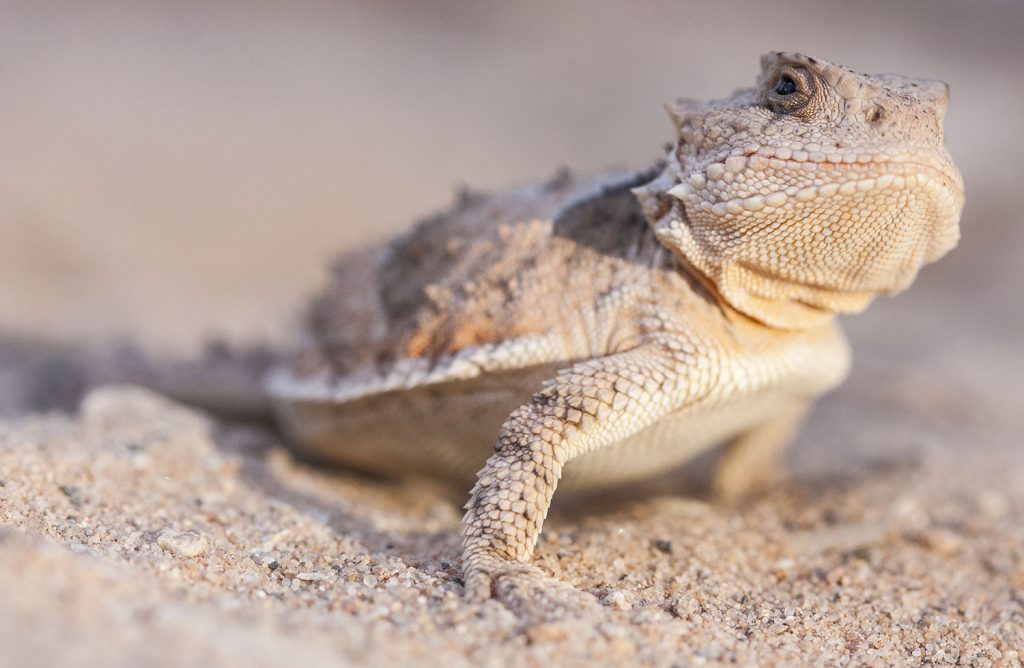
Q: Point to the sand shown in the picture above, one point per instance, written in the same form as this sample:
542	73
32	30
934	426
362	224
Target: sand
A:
136	531
168	170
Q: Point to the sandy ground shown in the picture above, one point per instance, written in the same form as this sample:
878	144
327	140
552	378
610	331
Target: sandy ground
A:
180	169
136	532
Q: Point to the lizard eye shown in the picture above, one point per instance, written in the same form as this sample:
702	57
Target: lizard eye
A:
792	90
786	85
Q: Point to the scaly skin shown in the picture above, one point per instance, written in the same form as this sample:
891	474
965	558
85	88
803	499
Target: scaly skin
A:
795	205
697	309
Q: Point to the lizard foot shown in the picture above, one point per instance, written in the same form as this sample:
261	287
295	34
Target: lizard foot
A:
524	589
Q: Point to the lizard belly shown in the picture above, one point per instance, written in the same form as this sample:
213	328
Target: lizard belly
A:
443	430
671	442
448	430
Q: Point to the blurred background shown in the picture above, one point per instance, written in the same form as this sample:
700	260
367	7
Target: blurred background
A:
174	170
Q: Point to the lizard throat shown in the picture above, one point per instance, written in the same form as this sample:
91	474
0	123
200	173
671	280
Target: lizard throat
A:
772	300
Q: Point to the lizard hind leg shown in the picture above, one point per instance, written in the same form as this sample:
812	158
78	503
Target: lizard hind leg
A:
753	460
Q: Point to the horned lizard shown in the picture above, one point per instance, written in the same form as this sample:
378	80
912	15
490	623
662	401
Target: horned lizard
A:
586	331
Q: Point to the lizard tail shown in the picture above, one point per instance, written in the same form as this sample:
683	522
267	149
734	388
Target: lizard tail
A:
40	376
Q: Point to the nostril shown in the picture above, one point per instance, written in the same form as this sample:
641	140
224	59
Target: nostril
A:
874	114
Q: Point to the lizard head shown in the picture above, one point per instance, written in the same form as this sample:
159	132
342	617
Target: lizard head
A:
810	193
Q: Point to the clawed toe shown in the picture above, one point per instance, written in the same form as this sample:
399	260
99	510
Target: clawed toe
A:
523	589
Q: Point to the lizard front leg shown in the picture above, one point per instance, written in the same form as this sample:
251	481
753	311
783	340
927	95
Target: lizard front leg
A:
592	404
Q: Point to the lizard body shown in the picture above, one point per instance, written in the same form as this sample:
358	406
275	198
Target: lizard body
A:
582	332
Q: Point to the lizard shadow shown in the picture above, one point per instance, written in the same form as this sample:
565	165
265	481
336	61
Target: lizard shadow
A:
376	512
412	520
856	437
418	521
40	376
692	482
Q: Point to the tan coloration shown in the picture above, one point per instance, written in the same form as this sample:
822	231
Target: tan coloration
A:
802	205
685	311
473	276
751	461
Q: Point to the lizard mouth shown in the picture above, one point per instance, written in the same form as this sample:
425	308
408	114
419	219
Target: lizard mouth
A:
719	189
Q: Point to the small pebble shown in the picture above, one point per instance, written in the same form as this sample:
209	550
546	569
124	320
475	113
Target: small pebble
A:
622	646
941	541
663	546
546	632
182	543
310	577
617	599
